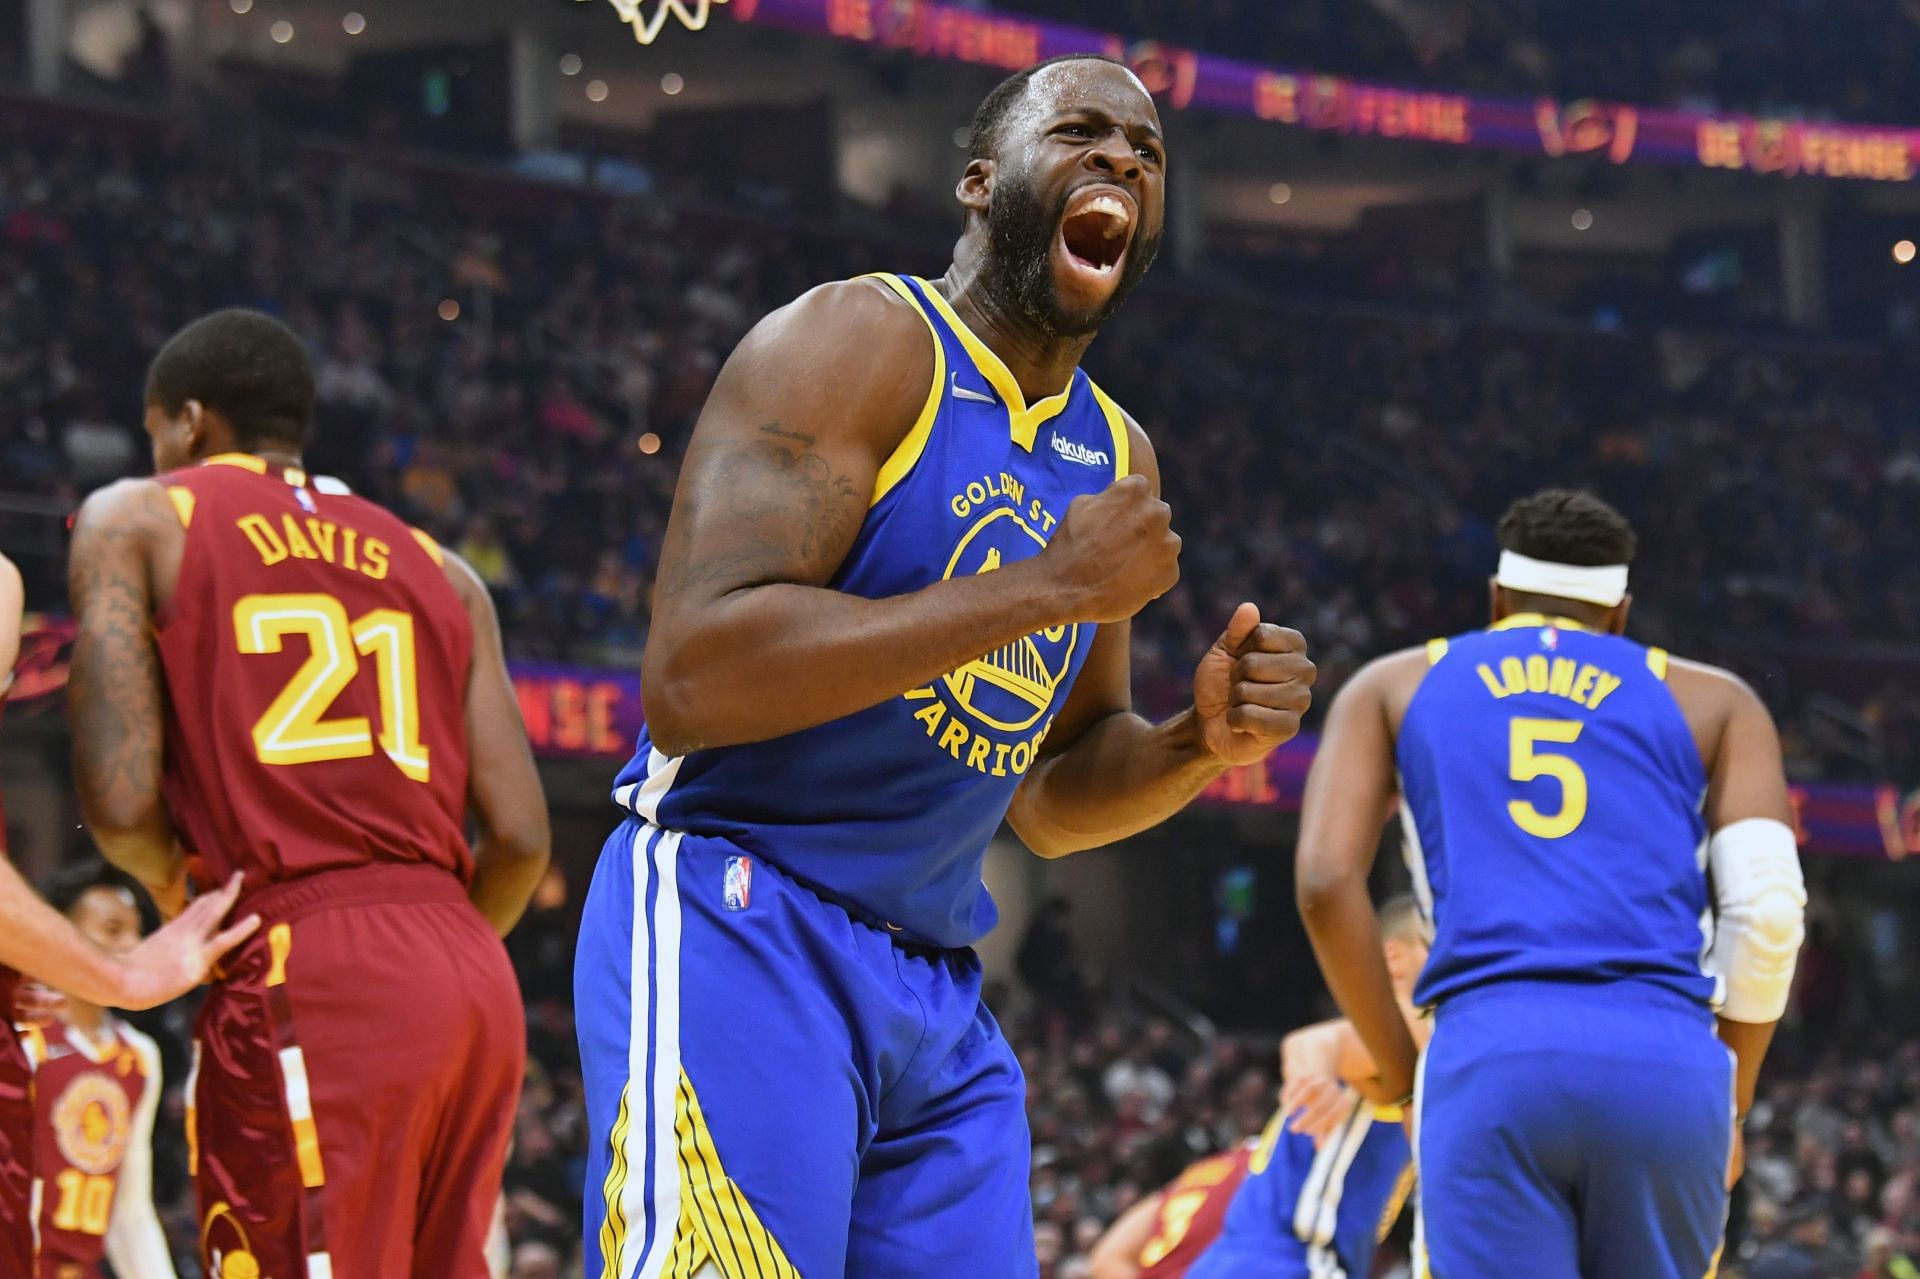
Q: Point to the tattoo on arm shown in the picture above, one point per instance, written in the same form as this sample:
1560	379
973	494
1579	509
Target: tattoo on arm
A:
771	508
117	694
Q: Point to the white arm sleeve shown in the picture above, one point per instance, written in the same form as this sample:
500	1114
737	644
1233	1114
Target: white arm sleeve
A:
136	1246
1761	903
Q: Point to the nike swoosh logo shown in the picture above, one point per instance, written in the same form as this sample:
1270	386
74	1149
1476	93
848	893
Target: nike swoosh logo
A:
968	393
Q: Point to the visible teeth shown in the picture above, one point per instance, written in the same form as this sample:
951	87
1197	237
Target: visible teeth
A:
1114	212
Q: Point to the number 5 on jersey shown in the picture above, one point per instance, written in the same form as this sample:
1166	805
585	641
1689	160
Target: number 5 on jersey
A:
1528	763
294	730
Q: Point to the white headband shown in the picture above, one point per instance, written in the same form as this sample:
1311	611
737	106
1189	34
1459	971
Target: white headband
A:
1604	584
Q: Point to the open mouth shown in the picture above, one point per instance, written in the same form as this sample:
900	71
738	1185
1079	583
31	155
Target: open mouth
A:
1095	232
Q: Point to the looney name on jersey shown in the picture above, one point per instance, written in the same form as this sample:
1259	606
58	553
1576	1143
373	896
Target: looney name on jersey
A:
311	538
1581	683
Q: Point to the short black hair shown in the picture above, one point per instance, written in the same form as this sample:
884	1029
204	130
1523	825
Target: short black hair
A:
1567	526
65	887
246	366
998	105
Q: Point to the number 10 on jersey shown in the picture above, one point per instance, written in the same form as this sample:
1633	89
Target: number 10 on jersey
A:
294	729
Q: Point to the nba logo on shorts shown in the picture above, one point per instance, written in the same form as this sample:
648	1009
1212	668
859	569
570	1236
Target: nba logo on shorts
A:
737	889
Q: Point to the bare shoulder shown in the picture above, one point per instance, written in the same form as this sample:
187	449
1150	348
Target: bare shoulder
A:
1715	701
845	336
1698	684
845	366
1390	679
124	506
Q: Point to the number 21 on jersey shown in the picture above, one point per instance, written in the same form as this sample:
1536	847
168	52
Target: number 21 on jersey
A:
1527	762
295	729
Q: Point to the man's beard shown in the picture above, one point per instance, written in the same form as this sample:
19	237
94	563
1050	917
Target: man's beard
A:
1020	236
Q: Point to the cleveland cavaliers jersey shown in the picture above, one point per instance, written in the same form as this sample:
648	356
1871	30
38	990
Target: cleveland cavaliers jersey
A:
1323	1208
890	810
316	662
1552	797
87	1099
1192	1212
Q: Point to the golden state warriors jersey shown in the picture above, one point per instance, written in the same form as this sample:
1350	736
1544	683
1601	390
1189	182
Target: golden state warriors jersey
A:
1552	797
890	810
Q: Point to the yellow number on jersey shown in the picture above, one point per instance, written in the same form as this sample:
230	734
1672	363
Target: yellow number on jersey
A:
86	1203
1528	764
294	730
1177	1219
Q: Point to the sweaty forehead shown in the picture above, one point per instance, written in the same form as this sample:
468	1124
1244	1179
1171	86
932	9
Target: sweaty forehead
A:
1087	84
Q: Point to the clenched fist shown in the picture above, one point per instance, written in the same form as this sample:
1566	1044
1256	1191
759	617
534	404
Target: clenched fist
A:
1114	552
1252	687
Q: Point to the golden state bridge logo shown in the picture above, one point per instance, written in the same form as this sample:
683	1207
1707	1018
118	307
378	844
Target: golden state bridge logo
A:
92	1122
992	713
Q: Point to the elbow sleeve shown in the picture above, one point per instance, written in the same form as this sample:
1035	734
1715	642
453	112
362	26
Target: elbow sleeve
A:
1761	902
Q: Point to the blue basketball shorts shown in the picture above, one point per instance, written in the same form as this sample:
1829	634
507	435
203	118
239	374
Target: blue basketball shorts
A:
1572	1132
783	1091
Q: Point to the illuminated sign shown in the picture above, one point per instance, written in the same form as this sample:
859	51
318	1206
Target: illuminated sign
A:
1336	104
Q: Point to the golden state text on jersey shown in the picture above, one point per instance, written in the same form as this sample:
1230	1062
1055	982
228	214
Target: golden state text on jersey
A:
890	810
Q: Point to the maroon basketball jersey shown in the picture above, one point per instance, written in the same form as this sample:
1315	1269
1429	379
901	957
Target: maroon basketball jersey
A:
1193	1211
85	1099
316	665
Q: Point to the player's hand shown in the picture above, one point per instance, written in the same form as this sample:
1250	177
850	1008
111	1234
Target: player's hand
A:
1737	1165
1252	687
37	1005
1114	552
1316	1105
177	958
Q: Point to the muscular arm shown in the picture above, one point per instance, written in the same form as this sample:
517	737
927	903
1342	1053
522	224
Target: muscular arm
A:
1746	779
1105	772
514	840
747	641
1117	1255
116	696
1350	794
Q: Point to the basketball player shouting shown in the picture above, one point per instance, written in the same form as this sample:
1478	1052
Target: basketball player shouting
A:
892	610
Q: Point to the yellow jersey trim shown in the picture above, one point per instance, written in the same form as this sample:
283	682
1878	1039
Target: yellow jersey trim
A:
716	1221
245	461
906	454
1436	649
183	500
427	544
1023	420
280	945
1657	663
1117	426
33	1041
1521	620
613	1229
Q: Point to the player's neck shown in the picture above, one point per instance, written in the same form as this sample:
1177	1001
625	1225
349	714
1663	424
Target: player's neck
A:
282	457
1041	363
89	1019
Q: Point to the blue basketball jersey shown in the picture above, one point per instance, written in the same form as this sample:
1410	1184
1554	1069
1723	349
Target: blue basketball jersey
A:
1324	1210
1551	803
890	810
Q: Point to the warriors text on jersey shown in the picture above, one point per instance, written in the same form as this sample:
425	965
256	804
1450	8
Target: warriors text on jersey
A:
316	666
87	1104
1552	813
890	810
